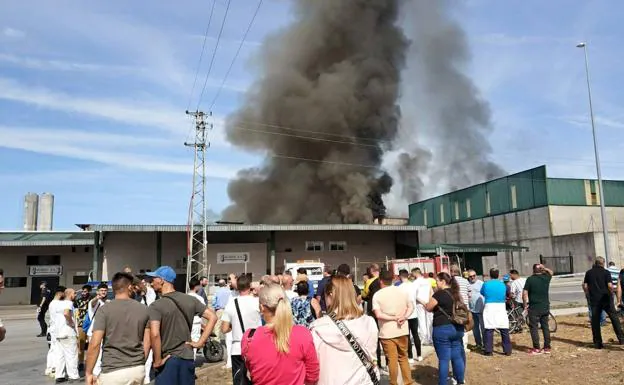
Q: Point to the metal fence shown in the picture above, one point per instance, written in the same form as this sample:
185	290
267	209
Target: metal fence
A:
559	265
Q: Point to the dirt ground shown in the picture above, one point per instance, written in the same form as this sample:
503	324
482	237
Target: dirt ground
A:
573	360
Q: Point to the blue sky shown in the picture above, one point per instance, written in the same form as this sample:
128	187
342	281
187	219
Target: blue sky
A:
93	94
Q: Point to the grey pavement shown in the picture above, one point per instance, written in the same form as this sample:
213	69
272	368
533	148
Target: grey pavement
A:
22	355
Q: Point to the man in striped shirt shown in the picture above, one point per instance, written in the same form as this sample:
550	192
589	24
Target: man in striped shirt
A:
615	275
464	291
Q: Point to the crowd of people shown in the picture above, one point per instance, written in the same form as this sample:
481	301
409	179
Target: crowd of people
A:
280	330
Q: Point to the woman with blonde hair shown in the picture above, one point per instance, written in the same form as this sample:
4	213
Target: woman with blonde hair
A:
279	352
342	361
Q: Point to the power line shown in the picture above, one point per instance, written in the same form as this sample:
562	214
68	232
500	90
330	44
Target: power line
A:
322	161
306	137
214	53
201	55
240	46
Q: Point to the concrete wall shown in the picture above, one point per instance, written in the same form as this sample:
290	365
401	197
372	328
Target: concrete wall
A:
367	246
136	250
530	228
13	261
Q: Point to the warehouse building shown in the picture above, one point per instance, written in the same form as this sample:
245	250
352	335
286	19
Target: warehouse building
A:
98	251
557	220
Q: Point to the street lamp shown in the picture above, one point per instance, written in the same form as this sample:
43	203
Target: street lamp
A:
603	214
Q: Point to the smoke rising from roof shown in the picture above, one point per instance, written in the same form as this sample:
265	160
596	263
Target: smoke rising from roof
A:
325	112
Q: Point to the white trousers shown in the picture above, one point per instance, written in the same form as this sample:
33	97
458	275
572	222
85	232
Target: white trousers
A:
148	368
228	349
97	369
126	376
425	325
67	358
195	336
53	354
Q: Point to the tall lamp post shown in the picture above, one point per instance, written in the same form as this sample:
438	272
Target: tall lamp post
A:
603	214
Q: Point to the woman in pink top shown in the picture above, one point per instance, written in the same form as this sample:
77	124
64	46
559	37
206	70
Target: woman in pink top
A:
340	365
279	353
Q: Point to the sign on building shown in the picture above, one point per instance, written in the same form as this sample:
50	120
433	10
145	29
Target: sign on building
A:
242	257
45	270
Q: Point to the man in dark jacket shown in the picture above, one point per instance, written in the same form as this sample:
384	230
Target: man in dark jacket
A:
599	289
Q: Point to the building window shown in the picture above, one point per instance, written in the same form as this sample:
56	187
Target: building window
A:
514	201
441	213
456	211
488	208
43	260
314	245
15	282
425	217
337	246
594	199
468	208
80	279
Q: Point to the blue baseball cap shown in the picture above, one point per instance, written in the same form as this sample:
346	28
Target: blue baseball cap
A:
506	277
166	273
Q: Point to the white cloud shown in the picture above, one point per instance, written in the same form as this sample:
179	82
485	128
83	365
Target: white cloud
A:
13	33
157	115
78	148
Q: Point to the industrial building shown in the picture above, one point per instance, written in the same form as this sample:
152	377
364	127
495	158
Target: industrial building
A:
98	251
554	220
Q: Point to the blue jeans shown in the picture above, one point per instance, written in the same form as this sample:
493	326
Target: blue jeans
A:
449	346
176	372
478	328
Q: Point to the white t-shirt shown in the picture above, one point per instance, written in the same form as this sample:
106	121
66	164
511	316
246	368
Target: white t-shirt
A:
423	289
410	289
291	294
197	320
59	327
250	312
516	288
92	314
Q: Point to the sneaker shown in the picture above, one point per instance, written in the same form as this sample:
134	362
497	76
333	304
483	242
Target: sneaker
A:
546	350
47	372
420	359
411	361
535	352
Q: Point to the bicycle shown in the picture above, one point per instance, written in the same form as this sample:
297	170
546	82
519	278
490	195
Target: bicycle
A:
518	320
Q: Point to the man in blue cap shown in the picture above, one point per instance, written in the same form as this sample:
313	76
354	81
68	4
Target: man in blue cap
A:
171	321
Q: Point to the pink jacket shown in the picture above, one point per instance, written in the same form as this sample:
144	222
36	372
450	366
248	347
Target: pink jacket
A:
339	363
268	367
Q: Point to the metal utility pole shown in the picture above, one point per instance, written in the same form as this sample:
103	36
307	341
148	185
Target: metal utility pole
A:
603	213
197	256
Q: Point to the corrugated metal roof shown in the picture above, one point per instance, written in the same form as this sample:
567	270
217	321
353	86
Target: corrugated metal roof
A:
470	248
244	228
46	238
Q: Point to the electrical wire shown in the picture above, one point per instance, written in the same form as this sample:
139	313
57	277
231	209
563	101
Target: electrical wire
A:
322	161
306	137
240	46
214	53
201	55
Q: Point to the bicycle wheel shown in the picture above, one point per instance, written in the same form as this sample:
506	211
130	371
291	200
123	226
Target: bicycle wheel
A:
552	323
213	351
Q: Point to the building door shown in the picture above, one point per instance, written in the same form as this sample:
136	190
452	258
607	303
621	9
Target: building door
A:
180	283
35	292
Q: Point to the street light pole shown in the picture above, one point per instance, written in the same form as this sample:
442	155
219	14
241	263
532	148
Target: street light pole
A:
603	213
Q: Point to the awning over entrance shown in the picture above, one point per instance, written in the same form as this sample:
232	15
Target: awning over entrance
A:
470	248
47	238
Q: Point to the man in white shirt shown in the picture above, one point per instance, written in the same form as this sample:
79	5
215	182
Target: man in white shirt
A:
516	287
410	289
54	350
101	297
249	308
423	294
194	287
66	337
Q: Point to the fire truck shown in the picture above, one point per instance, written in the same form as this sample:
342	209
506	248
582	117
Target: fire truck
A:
434	265
314	270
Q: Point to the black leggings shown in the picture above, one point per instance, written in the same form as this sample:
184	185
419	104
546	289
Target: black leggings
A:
413	327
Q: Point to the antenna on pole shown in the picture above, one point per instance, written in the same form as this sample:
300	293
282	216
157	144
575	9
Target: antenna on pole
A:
197	243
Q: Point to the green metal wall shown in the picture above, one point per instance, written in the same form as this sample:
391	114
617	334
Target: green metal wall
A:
566	192
530	188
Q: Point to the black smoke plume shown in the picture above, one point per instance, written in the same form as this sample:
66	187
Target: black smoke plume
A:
323	113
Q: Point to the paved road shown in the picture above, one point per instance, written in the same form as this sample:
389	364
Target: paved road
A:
22	355
567	291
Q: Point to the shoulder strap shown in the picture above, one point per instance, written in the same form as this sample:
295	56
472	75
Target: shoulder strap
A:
362	355
442	310
188	322
240	318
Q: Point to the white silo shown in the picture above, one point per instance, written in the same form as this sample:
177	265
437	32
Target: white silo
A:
31	203
45	216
